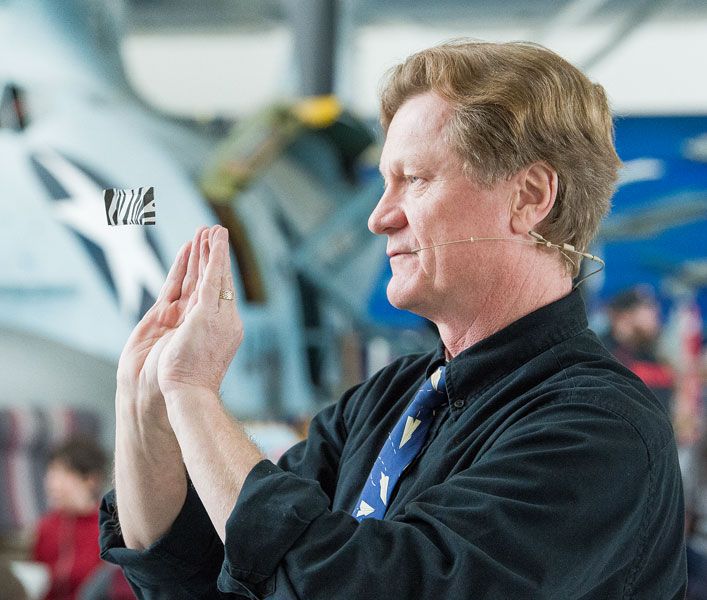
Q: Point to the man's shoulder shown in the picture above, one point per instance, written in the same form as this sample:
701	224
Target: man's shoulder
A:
590	377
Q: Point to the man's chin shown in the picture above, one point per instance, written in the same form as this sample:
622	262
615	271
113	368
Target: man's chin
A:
402	299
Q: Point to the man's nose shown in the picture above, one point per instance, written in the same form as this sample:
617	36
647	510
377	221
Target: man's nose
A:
387	214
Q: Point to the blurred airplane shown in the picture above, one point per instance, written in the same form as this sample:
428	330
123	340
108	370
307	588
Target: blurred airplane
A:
70	127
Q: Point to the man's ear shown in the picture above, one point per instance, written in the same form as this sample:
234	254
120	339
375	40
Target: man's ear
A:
534	198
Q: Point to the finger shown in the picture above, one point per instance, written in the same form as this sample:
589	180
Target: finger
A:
205	250
212	234
203	260
218	257
203	255
226	277
192	274
172	287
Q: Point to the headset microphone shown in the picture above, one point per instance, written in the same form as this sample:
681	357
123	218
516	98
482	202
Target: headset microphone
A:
537	239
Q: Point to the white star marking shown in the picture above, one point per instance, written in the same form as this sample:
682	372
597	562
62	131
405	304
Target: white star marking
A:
132	262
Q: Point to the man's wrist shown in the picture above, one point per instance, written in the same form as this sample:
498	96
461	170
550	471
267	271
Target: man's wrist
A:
182	393
141	412
188	404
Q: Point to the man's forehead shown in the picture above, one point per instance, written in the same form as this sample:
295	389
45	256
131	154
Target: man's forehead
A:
416	133
390	161
421	115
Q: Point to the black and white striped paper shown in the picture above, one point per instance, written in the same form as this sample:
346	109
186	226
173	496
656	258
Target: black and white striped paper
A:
130	207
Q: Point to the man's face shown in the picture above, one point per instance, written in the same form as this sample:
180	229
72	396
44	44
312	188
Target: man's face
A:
429	200
645	324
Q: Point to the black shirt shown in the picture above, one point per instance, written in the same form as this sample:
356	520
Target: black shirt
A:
644	363
551	474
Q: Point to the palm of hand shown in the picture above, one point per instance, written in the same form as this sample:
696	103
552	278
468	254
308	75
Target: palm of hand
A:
198	352
189	337
160	331
137	368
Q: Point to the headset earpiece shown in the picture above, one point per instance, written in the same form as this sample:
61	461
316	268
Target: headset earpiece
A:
537	239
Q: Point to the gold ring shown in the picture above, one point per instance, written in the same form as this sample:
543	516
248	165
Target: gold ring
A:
225	295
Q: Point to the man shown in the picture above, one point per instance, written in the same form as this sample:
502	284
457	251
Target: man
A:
541	468
634	319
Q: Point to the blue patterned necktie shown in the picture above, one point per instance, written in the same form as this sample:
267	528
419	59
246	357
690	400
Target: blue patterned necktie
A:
401	447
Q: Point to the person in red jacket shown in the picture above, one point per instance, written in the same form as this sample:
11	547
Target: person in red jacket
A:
635	326
67	536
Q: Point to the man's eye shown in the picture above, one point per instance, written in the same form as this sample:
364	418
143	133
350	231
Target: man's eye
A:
412	178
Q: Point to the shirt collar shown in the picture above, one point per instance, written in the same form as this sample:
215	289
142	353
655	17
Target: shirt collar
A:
477	367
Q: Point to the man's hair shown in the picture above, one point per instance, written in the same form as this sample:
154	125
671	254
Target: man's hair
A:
81	454
514	104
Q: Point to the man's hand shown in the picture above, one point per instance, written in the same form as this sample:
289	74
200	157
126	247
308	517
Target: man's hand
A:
216	450
198	351
150	479
137	367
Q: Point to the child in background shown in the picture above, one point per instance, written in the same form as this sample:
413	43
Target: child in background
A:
67	536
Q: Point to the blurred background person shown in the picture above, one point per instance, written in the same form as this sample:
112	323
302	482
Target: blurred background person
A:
67	536
632	337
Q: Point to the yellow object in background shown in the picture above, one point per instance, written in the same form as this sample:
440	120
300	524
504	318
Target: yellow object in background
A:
318	111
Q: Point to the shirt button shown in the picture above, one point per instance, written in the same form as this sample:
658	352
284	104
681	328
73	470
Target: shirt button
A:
458	403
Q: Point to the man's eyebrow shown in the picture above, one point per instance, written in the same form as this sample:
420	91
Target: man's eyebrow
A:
382	170
388	167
